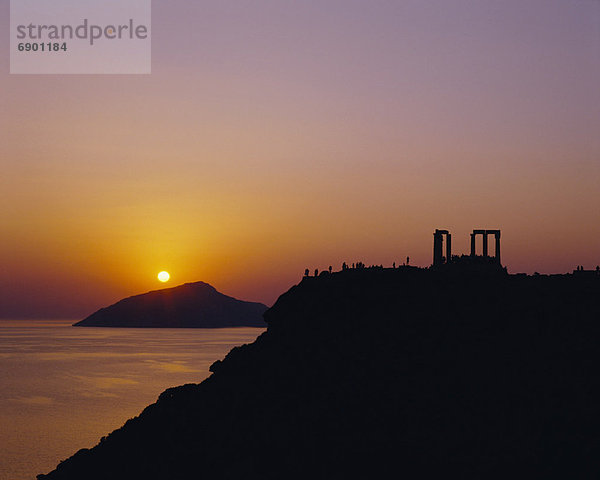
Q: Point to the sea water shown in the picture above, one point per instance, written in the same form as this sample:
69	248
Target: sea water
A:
62	388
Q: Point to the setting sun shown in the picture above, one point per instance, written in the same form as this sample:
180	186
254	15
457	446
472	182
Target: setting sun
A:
164	276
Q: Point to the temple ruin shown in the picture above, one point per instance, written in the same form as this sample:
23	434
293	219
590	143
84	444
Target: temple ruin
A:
484	234
438	245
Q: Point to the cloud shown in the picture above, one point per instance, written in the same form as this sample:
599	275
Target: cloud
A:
98	394
33	400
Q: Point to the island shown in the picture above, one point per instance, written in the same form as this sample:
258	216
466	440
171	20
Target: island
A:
192	305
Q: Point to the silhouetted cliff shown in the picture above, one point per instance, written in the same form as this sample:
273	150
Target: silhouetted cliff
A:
193	305
381	373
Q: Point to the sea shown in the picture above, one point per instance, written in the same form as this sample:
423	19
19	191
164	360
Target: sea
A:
62	388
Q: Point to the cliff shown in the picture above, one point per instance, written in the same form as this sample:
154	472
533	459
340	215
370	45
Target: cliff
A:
382	373
192	305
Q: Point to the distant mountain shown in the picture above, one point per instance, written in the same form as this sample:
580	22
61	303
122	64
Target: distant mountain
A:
192	305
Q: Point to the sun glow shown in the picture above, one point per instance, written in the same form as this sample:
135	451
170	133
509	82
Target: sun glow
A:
164	276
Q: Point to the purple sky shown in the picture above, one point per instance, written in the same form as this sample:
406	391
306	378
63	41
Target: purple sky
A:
278	135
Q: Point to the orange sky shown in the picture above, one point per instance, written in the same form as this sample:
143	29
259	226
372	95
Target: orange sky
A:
270	138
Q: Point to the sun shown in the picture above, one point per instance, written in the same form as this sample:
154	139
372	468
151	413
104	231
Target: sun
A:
164	276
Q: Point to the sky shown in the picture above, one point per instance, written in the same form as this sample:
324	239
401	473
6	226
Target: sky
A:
274	136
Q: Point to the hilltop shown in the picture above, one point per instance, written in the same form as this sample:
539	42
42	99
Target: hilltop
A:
408	372
192	305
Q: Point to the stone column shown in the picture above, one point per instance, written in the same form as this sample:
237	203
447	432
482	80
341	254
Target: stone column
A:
437	248
472	244
497	235
485	244
448	248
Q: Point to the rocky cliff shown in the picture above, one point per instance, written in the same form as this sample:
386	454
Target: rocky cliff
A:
381	373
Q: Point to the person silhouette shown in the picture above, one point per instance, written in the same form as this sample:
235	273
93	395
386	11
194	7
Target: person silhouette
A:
408	260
